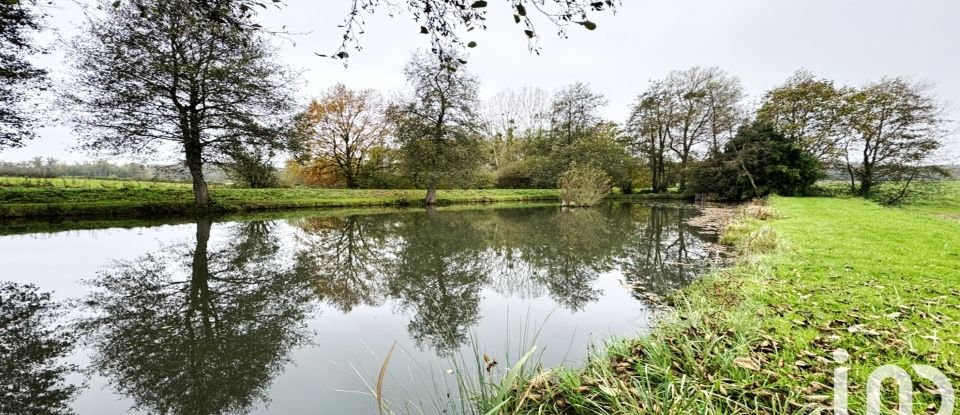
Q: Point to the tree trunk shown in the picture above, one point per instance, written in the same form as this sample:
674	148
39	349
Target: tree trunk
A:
654	179
201	194
866	185
866	180
753	184
853	178
431	198
683	174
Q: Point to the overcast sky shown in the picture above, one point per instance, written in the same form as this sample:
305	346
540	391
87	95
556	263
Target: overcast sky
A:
761	41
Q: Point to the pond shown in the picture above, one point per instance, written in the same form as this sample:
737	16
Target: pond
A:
295	314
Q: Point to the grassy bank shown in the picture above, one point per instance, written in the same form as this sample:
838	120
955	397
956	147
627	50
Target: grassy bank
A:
819	275
22	198
32	198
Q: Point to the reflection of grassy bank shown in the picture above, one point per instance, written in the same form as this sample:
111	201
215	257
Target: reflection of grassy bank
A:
32	225
758	337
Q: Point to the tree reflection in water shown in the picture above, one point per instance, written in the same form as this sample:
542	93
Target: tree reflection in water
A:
668	253
195	329
435	265
32	346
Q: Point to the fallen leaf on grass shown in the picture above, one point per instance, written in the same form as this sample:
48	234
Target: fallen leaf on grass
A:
747	363
862	329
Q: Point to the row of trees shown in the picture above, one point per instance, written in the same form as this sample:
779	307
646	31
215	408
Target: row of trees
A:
691	130
442	135
49	167
886	130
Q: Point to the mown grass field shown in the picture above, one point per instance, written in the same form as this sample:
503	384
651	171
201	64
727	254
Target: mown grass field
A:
821	274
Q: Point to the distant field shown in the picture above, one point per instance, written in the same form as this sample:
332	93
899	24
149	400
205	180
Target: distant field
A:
942	198
945	202
84	183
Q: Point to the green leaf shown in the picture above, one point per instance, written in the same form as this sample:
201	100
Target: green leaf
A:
521	10
479	4
588	24
116	4
343	55
516	18
472	44
529	33
503	395
424	30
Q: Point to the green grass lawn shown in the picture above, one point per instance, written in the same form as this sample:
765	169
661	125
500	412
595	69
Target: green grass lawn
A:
881	283
820	275
945	201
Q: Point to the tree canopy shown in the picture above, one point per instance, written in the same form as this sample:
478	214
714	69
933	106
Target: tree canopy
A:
20	79
756	162
343	127
174	80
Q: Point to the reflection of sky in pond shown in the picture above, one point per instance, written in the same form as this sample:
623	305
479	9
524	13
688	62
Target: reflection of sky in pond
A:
218	318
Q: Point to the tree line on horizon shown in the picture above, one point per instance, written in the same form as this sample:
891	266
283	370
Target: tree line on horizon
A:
691	130
149	75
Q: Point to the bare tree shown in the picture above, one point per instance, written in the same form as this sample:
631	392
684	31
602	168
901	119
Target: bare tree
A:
174	79
344	125
691	122
511	116
523	109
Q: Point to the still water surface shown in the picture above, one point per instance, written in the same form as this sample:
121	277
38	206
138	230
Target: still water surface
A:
294	316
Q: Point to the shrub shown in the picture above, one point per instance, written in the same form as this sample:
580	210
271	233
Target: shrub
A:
485	179
514	176
583	186
756	162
